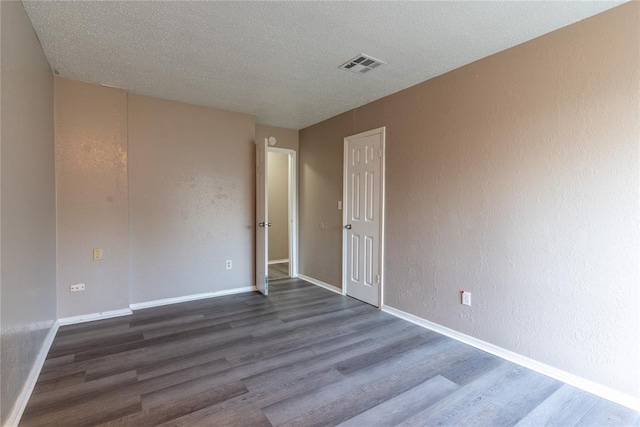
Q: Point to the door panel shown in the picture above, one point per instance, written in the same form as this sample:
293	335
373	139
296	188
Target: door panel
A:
368	260
363	215
369	195
355	199
355	258
262	255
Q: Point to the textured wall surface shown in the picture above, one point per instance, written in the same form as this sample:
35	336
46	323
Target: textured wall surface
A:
91	180
320	188
278	189
191	198
28	233
514	178
285	138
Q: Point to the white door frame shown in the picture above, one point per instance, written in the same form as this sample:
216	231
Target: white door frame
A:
292	208
345	220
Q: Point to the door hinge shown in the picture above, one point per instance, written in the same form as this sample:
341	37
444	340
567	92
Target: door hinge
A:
377	279
380	152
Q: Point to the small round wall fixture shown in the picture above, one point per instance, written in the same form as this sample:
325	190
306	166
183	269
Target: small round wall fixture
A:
271	141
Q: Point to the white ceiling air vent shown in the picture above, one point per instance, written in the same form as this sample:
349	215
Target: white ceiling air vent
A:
361	64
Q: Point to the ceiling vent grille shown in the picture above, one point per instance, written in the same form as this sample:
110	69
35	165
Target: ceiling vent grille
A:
361	64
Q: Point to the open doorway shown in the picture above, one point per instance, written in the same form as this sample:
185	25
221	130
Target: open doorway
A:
281	191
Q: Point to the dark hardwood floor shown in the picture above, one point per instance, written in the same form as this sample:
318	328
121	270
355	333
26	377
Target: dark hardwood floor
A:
304	356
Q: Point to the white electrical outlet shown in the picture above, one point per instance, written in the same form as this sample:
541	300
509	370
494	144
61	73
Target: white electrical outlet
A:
228	265
77	287
466	298
97	254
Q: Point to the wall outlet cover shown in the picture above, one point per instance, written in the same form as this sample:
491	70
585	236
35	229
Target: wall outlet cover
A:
77	287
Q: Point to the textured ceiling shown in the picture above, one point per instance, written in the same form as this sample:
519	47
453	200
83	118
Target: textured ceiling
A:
279	60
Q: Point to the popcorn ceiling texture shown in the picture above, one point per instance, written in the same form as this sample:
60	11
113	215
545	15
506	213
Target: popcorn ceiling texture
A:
514	178
278	60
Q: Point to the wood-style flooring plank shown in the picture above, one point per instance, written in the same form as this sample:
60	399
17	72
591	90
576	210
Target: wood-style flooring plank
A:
75	394
504	387
436	356
59	382
605	413
302	356
575	404
90	412
257	399
476	367
179	407
71	367
404	405
380	390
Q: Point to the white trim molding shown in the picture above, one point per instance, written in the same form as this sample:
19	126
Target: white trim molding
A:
321	284
277	261
27	389
176	300
94	316
589	386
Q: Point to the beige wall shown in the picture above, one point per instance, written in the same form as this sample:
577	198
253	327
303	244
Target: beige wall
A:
191	199
164	188
514	178
27	213
91	180
278	190
286	138
320	189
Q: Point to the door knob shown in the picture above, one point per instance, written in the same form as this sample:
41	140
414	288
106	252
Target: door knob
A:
348	226
268	224
261	224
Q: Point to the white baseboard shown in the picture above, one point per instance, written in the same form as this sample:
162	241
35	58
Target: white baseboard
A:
176	300
94	316
278	261
320	283
589	386
21	402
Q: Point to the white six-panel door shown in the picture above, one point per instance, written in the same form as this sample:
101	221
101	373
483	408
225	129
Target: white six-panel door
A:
363	215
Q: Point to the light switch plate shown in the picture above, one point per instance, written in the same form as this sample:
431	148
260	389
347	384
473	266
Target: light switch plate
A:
466	298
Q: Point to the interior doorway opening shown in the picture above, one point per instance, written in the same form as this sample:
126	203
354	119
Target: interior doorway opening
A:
281	192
